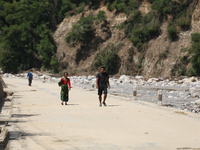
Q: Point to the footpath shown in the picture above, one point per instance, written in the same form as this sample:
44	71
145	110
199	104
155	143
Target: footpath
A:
39	121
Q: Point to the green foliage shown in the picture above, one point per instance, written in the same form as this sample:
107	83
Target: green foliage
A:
81	32
121	26
184	49
26	38
108	58
54	64
81	8
191	72
101	16
195	52
172	31
184	22
142	35
121	7
139	66
148	17
195	37
178	70
121	44
130	55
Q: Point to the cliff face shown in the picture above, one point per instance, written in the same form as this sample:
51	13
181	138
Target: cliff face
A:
79	60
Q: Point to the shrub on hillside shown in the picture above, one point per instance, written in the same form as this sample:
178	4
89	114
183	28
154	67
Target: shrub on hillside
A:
81	32
101	16
184	22
121	7
195	37
195	52
108	58
54	64
81	8
172	31
148	17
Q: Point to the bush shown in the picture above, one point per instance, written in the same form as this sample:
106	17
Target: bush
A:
54	64
184	22
134	40
148	17
81	8
191	72
130	55
139	66
121	26
152	31
108	5
195	51
101	16
184	49
133	4
113	6
172	31
139	45
108	58
195	37
135	17
121	44
82	32
121	7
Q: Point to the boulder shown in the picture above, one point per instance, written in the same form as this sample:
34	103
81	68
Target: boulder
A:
197	102
193	89
192	79
5	75
91	77
139	77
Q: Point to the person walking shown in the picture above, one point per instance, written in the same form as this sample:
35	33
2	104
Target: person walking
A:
65	88
30	77
102	83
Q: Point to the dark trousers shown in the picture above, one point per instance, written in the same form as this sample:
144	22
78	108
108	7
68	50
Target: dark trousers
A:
30	81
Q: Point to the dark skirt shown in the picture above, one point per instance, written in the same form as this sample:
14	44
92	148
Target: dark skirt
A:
64	94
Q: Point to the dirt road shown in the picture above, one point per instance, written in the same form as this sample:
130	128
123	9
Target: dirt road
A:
40	122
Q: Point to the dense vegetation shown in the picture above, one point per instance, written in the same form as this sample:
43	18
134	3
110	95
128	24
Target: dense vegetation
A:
195	52
108	57
26	28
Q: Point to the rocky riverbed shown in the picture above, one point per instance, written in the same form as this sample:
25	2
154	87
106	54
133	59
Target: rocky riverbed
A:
182	93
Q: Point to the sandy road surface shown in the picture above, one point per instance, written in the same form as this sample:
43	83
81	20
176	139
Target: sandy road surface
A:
40	122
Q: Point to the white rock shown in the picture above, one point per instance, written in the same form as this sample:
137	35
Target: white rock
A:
192	79
91	77
86	81
139	77
5	75
193	89
197	102
171	92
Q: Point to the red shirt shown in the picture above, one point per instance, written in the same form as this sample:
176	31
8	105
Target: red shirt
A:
67	81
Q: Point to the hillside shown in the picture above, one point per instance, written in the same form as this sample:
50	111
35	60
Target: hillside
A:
134	37
159	56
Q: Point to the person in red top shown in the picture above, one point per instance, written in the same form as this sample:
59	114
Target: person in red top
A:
65	88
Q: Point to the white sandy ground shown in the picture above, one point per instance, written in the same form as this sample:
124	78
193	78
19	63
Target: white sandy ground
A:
40	122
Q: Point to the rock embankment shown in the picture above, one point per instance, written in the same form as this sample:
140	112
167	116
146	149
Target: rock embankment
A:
179	93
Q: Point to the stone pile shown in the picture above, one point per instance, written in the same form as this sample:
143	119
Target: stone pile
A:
177	93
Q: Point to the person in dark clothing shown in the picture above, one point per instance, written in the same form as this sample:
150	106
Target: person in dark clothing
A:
102	83
30	77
